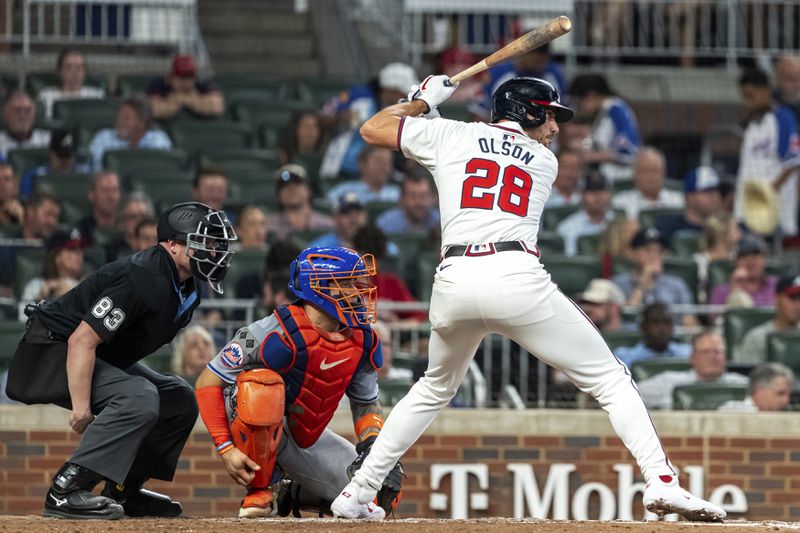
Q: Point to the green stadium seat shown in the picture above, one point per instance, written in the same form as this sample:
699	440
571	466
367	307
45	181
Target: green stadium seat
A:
453	111
241	160
251	187
244	262
622	185
648	217
29	263
718	273
166	193
303	238
134	84
136	160
375	209
317	92
686	243
572	274
550	242
257	111
310	162
94	257
589	245
268	136
8	230
393	390
406	360
241	86
24	159
105	236
10	334
738	322
552	216
426	264
160	360
784	347
706	396
646	368
686	269
36	81
615	339
198	136
100	110
71	188
140	179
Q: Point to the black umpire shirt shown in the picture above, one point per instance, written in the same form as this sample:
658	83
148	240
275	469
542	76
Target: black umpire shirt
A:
135	305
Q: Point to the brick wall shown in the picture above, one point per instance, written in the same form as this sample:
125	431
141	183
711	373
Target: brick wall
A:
766	468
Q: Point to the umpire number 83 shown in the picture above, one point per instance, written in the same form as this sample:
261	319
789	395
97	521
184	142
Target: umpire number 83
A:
114	316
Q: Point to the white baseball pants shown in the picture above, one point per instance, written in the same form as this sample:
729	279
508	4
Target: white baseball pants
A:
511	294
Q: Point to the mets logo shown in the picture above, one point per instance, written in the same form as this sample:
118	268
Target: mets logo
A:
232	355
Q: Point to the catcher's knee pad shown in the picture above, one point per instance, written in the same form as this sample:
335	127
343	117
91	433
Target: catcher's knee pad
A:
258	425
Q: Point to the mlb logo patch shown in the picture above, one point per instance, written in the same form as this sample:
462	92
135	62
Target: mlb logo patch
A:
232	355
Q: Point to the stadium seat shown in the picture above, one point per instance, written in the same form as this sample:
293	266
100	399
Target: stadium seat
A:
686	243
647	368
648	217
706	396
588	245
316	92
738	322
197	136
71	187
24	159
268	136
615	339
10	334
242	86
393	390
140	179
36	81
241	160
784	347
244	262
426	264
718	273
550	242
134	84
166	193
257	111
104	236
160	360
622	185
551	216
138	160
94	257
251	187
303	238
375	209
571	274
310	162
453	111
686	269
29	263
99	110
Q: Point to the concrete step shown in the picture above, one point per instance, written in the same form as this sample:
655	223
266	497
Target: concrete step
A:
269	66
257	22
244	46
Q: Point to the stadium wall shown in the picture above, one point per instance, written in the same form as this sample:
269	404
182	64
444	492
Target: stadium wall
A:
554	463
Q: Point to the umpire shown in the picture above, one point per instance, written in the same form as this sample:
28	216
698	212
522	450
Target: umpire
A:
81	352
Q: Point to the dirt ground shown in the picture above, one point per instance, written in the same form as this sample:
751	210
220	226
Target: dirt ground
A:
35	524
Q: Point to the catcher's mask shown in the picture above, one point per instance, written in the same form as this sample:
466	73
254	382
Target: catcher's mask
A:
338	281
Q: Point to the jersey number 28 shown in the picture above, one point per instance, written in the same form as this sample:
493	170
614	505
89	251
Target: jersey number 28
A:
484	173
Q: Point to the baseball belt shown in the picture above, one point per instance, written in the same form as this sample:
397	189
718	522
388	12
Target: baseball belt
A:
477	250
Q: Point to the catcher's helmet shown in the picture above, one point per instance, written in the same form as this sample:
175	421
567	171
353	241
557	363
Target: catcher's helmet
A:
205	230
338	281
519	97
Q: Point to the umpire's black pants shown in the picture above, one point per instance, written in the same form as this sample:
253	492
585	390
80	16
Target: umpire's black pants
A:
143	418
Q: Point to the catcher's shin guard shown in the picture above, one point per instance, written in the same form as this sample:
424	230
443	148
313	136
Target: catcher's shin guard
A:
258	425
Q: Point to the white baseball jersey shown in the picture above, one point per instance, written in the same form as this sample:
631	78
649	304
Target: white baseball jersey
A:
493	180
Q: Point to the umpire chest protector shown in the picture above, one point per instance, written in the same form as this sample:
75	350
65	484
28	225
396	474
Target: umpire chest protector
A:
321	371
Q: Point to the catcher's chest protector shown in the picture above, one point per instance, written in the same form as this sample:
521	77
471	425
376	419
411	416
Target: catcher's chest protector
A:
320	374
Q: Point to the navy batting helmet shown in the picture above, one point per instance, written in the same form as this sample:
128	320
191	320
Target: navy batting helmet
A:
519	98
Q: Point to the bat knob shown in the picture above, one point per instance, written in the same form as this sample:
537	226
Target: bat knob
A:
447	83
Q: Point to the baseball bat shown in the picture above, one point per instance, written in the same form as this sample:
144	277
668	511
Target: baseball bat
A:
533	39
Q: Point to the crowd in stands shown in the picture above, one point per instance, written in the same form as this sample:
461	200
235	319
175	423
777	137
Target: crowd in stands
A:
79	188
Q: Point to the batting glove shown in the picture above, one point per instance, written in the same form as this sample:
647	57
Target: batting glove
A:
433	91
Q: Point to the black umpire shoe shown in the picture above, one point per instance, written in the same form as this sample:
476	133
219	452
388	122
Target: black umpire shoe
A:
138	501
70	496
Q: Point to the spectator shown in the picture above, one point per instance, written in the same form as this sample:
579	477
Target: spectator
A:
417	212
348	217
770	148
565	189
535	64
251	228
269	287
104	196
375	171
11	210
702	199
657	330
753	348
294	203
615	243
787	83
191	352
62	159
71	70
602	302
145	235
304	136
371	240
19	115
210	186
708	366
131	130
720	234
749	284
181	90
135	207
770	389
593	216
649	172
615	134
646	282
394	81
63	269
451	62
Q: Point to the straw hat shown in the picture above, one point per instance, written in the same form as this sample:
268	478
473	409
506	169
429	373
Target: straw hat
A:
760	207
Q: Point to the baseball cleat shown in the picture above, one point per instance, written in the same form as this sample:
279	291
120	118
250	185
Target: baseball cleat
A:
257	503
81	505
664	496
346	505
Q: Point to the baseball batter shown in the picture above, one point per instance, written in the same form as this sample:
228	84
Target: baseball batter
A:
493	182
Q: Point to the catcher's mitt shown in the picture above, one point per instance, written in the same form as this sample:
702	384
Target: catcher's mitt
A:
390	493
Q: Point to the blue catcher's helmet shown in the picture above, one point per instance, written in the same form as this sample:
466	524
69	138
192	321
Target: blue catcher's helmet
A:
338	281
519	97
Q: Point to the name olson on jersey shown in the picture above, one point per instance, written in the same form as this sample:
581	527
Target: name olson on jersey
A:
489	146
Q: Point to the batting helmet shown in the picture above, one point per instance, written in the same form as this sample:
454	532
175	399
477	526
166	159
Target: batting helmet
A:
205	230
519	98
338	281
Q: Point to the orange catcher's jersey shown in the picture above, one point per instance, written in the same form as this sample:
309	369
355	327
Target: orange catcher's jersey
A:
493	180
